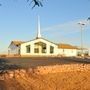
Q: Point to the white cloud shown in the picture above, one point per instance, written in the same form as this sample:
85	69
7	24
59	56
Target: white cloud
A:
65	28
67	32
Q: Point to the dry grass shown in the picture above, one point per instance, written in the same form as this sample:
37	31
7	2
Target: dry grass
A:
55	81
67	80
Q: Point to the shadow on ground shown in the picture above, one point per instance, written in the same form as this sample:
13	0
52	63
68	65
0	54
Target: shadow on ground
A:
17	63
5	66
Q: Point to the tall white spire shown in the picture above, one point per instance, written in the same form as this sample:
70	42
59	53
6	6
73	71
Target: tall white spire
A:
38	29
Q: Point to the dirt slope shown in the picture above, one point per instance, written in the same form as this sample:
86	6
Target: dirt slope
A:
71	80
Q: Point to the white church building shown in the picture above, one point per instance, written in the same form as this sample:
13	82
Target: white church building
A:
41	47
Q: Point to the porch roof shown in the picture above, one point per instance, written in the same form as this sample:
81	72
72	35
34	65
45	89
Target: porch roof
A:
66	46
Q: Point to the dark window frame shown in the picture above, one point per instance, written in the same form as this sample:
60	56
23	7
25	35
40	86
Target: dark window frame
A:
36	50
51	49
28	49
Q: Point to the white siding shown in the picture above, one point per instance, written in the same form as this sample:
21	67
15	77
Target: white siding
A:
31	43
13	49
67	52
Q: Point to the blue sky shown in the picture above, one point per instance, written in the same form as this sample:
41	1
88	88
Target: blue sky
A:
58	18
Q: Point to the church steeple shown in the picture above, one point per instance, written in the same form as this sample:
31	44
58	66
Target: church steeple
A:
38	29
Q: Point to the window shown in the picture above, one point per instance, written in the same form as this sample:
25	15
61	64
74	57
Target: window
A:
51	49
28	49
44	48
36	50
39	47
63	50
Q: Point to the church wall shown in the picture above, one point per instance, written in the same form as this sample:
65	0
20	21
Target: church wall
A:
31	43
57	51
67	52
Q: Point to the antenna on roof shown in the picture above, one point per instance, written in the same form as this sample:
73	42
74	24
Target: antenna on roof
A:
38	28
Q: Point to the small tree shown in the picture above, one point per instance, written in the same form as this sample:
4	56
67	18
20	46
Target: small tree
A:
36	3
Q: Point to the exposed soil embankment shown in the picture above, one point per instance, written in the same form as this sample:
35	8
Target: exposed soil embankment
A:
57	77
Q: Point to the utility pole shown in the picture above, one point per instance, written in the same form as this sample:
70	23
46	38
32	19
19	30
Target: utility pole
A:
81	31
88	19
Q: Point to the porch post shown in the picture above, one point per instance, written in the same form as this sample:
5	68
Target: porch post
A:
32	48
48	49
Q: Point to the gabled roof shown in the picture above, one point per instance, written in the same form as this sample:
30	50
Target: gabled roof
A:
66	46
41	38
17	43
49	41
